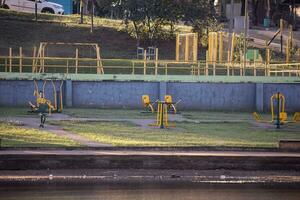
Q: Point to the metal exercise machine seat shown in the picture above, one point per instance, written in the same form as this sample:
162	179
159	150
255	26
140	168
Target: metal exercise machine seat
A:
171	104
149	106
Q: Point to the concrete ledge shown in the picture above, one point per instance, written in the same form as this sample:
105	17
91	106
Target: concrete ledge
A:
289	145
164	160
157	78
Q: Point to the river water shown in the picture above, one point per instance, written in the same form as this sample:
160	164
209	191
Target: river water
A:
147	191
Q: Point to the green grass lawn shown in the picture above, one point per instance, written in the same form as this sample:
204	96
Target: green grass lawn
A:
17	136
108	113
184	134
13	111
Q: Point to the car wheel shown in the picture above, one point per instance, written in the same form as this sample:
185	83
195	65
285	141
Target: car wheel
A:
5	6
48	10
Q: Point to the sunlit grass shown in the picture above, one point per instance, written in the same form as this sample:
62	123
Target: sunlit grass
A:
184	134
16	136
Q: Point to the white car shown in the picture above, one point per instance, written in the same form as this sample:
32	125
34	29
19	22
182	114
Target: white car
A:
43	6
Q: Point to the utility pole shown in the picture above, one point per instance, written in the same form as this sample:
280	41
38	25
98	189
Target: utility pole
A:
35	10
294	16
246	34
81	12
92	16
231	24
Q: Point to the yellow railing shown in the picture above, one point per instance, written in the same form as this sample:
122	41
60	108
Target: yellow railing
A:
147	67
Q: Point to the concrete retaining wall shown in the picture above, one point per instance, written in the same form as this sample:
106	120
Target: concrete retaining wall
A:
52	162
127	94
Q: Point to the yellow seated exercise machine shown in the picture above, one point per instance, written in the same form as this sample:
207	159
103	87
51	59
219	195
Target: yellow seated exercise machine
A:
171	105
278	113
44	105
148	105
162	120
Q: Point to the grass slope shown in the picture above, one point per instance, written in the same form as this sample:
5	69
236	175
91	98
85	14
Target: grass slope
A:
20	29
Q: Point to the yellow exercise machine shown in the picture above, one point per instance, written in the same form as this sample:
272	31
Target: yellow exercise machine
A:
42	103
171	105
162	120
148	105
280	116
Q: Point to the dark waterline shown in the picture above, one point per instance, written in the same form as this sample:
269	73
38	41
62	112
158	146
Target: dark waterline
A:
149	191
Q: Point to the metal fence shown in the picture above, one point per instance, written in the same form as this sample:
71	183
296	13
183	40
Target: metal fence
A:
22	64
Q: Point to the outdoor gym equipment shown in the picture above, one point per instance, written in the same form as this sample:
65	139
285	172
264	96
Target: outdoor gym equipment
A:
149	106
162	120
278	114
171	105
42	103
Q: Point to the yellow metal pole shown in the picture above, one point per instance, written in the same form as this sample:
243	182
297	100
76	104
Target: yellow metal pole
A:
133	67
76	61
195	53
166	69
220	47
145	62
156	61
5	64
43	58
34	60
177	47
20	60
186	52
207	62
254	63
10	59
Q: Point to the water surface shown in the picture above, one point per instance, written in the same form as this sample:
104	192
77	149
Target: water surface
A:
146	191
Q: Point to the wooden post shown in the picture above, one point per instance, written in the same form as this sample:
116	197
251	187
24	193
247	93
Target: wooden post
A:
34	60
156	61
177	47
145	62
20	60
10	59
76	61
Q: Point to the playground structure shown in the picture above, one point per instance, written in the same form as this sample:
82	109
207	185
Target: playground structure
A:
43	104
278	114
187	47
221	59
38	65
150	106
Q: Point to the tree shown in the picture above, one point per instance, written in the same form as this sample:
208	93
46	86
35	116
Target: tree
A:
202	16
